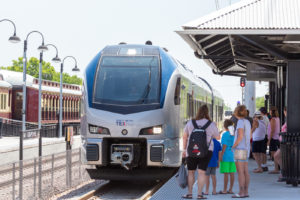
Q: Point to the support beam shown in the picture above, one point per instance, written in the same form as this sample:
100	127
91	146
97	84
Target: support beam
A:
244	59
293	97
265	45
213	41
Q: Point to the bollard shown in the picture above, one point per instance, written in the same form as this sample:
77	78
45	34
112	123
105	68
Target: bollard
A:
40	178
34	178
52	170
21	179
79	174
14	181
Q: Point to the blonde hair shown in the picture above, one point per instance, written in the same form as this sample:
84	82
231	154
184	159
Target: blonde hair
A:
240	111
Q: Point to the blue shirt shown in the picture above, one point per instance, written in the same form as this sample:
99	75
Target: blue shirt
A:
215	157
227	140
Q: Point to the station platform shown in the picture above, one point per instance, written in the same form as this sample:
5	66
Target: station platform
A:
262	186
9	147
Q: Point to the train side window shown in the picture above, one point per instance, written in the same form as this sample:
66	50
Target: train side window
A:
4	101
177	92
1	99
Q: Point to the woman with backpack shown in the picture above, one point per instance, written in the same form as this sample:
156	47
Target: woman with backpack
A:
241	148
198	147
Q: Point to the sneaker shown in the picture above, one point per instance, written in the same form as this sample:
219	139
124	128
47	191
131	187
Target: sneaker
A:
265	169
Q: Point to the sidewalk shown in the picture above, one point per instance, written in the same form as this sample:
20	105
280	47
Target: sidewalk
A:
9	147
262	186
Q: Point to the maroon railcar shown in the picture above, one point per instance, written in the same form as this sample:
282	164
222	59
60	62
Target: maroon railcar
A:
49	101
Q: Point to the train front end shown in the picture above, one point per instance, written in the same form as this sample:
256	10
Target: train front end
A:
123	120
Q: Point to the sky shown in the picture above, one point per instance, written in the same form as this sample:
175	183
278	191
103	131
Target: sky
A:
82	28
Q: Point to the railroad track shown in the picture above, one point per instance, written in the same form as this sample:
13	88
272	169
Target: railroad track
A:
120	190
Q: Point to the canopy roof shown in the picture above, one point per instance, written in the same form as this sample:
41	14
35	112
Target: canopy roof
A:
264	32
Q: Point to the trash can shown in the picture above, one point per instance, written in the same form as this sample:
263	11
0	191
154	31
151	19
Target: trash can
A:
290	151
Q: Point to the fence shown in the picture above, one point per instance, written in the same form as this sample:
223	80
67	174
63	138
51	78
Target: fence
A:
9	127
290	150
24	180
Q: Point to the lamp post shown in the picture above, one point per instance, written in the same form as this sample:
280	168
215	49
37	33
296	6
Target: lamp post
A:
14	38
41	48
75	69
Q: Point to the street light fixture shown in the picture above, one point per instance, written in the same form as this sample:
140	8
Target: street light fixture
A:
14	38
75	69
56	59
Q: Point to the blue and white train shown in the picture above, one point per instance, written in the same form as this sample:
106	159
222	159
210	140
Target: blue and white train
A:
136	101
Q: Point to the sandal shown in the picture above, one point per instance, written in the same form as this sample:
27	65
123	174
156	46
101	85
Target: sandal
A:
204	193
201	197
228	192
221	192
187	196
237	196
258	171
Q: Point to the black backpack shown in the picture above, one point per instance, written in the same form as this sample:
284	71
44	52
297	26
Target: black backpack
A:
197	146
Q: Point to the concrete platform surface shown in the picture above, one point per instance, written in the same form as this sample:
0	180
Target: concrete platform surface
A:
262	186
9	147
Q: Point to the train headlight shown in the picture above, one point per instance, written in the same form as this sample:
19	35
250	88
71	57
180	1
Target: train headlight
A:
155	130
98	130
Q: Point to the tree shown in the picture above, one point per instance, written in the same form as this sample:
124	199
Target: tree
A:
260	102
48	71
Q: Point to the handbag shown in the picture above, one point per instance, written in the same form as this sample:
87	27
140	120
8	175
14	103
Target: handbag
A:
181	176
241	154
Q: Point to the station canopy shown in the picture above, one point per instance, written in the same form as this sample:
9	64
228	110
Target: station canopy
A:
254	35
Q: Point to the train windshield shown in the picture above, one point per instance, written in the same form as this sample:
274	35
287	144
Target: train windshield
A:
127	80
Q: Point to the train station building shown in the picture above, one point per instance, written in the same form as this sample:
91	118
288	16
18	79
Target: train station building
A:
258	40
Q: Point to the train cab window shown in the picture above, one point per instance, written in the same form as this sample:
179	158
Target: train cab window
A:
127	80
177	92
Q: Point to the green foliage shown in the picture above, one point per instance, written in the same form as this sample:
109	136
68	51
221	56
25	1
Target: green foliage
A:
260	102
48	71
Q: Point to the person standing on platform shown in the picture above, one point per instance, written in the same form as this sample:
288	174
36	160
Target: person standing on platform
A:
278	155
273	136
227	165
202	121
212	168
266	120
258	132
241	149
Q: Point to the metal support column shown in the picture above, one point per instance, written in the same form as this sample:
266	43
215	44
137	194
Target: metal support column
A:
293	97
290	145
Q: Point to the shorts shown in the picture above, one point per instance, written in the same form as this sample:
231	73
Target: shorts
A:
227	167
259	146
274	145
210	171
201	163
